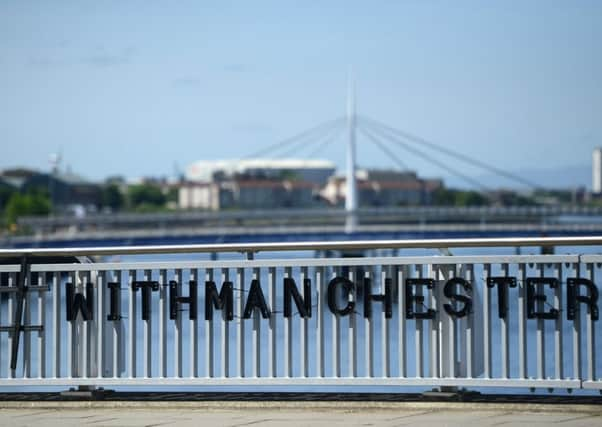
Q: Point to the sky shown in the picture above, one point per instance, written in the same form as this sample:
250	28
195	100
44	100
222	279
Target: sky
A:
144	88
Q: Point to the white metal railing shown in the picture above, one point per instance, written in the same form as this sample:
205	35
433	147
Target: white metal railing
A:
473	321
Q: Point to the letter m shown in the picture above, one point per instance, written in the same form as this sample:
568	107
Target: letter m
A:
222	301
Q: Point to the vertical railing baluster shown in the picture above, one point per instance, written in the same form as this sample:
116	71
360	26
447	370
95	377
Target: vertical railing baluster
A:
117	349
401	327
576	334
147	332
288	335
56	325
504	331
84	355
452	325
590	332
225	334
419	337
132	325
193	344
26	335
12	281
100	318
303	331
163	316
178	329
522	319
436	349
352	333
272	336
336	338
540	335
558	341
240	343
487	322
209	335
71	334
41	344
369	274
320	286
385	322
469	332
256	333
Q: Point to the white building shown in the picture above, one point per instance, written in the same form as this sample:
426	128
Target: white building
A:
313	171
597	170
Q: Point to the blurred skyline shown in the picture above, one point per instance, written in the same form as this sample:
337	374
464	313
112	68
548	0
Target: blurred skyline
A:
134	88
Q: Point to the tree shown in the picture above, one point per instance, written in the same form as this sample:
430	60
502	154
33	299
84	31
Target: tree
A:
444	197
470	198
26	204
112	197
146	194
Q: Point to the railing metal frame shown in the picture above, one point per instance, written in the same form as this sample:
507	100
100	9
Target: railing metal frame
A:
467	352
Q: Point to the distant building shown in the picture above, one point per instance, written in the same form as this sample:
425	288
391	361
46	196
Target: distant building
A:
597	170
246	194
383	188
63	188
253	184
314	171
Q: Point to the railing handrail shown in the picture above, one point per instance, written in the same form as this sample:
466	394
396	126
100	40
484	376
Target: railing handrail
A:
301	246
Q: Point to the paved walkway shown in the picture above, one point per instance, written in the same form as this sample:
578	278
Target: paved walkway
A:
291	414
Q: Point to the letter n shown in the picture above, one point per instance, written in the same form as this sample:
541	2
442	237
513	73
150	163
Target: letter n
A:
291	291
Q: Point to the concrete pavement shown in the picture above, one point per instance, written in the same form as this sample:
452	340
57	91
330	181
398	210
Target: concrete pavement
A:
331	414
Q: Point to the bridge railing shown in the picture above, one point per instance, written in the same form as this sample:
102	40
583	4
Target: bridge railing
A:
469	321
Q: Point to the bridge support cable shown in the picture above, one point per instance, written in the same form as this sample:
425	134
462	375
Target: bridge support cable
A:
400	163
320	140
436	147
420	154
303	136
333	136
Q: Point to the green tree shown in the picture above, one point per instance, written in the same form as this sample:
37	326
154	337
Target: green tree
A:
112	197
444	197
26	204
145	194
470	198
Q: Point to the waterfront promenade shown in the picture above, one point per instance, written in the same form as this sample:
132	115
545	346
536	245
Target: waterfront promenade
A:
330	414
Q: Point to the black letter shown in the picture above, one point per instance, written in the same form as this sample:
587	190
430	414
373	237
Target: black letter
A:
77	302
573	296
256	300
114	297
449	289
224	300
411	313
540	298
175	299
332	300
303	304
387	298
147	287
502	292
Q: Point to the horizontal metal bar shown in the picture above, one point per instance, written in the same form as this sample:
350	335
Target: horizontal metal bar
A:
7	290
311	262
592	385
28	328
283	381
302	246
430	211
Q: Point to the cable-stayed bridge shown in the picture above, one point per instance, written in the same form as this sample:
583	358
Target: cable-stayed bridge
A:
352	222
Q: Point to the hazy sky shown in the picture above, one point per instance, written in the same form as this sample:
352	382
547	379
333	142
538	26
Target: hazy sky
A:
136	87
